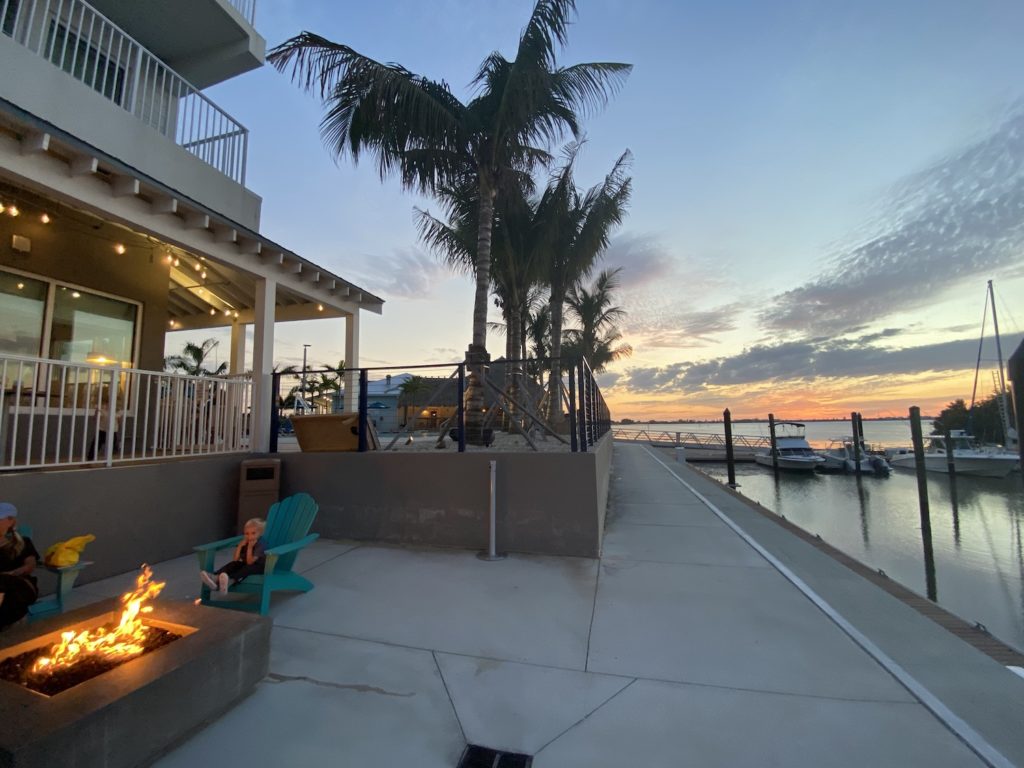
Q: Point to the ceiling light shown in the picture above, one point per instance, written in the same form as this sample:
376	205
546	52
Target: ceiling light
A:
236	313
45	218
196	266
203	274
118	248
13	210
227	313
173	323
319	307
175	262
76	295
168	258
21	286
2	208
213	311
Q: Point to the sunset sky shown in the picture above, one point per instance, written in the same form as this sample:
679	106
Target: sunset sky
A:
821	190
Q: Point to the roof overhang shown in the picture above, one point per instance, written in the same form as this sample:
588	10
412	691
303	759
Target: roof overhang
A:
49	162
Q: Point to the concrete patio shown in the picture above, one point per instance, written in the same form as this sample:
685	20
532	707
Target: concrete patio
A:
682	645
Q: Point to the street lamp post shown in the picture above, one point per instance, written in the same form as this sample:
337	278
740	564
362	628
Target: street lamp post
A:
304	401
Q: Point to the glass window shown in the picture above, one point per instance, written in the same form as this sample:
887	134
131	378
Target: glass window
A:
22	306
92	329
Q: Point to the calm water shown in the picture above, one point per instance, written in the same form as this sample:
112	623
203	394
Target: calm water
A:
978	542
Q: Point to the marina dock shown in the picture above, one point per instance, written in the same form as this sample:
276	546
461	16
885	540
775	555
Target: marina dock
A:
698	446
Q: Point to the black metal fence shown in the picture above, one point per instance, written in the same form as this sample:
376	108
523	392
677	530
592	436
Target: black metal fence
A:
516	398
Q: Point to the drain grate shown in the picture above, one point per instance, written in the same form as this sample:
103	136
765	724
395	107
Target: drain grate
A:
485	757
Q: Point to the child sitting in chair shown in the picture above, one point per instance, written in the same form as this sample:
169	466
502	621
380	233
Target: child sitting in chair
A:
248	560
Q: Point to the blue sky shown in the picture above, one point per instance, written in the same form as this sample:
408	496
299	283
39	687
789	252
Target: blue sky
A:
795	163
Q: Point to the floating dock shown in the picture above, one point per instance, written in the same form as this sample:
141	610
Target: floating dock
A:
698	446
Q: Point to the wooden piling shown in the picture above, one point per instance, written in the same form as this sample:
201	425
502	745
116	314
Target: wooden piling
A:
854	429
729	458
775	450
922	496
950	458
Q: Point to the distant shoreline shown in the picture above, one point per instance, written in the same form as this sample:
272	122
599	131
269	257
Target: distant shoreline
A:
637	423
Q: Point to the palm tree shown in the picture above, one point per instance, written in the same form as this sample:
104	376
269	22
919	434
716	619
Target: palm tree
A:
416	128
596	337
578	226
192	360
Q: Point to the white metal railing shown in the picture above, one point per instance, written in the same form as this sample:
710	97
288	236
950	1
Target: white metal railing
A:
690	439
54	413
74	36
247	8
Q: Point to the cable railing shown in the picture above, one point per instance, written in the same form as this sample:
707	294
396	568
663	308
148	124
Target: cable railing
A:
502	405
58	414
74	36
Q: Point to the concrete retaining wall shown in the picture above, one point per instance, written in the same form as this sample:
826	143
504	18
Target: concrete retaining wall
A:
551	504
140	513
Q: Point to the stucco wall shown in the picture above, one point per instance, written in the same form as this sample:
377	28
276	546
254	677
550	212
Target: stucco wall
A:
143	513
547	503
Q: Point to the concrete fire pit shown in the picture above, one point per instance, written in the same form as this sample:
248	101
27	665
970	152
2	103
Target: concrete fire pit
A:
132	714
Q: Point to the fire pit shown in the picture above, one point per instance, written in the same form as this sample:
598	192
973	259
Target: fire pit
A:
115	684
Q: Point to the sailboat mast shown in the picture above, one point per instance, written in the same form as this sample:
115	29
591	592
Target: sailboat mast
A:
999	346
1005	408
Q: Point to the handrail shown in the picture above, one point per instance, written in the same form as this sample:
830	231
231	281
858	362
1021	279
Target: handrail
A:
55	413
74	36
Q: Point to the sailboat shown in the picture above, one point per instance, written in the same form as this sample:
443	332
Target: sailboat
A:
970	457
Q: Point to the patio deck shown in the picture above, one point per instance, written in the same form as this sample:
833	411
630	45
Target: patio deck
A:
682	645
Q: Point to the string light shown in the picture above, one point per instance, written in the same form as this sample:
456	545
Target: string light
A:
76	295
227	313
21	286
174	323
196	266
175	262
169	259
203	274
119	248
213	311
2	208
319	307
236	313
45	218
13	211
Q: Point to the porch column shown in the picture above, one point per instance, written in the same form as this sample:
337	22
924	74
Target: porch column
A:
262	364
237	349
352	362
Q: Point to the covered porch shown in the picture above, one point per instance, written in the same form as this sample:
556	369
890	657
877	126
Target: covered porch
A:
90	285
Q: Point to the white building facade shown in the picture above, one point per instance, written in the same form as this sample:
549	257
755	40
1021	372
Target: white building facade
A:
124	215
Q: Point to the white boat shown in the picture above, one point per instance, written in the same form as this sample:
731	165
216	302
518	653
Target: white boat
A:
840	456
968	457
793	451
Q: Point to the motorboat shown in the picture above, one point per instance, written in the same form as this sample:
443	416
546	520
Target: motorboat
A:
968	458
793	452
841	456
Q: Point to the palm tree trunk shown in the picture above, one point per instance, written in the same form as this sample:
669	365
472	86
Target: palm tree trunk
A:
476	355
555	380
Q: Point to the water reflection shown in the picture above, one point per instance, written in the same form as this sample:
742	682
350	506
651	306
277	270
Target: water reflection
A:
976	544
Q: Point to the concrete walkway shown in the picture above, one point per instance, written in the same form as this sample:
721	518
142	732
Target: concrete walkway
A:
682	646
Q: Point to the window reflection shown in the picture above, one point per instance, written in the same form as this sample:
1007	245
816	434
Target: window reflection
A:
92	329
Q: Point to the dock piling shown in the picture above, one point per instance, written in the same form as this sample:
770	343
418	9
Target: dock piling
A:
922	495
729	457
855	430
775	450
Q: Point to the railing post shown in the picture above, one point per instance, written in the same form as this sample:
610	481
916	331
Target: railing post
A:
573	437
275	409
462	408
111	419
363	382
582	396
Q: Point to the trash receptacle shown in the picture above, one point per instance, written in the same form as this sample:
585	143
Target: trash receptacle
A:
259	488
680	454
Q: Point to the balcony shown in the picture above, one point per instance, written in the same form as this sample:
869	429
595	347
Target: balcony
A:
70	37
205	41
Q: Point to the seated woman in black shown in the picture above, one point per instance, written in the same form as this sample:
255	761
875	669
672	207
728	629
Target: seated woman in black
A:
18	558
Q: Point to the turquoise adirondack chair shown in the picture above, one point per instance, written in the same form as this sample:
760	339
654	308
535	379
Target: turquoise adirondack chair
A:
287	532
66	576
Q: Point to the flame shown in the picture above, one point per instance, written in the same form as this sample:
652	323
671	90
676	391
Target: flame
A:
124	641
